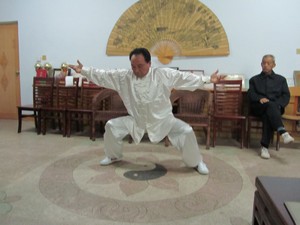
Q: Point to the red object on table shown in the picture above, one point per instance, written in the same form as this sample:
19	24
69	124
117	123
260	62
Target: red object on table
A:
41	73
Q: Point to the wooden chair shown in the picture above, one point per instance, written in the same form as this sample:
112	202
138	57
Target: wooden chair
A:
83	112
228	109
292	110
194	107
42	92
65	97
107	104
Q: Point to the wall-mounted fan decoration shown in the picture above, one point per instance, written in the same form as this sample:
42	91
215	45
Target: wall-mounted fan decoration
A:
169	28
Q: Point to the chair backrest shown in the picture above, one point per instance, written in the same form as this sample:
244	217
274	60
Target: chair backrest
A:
107	104
192	102
87	92
108	100
42	92
66	97
228	97
116	103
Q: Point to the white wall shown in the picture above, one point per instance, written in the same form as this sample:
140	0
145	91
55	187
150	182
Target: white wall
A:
79	29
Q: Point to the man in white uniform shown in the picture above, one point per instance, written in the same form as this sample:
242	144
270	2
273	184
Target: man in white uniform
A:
145	92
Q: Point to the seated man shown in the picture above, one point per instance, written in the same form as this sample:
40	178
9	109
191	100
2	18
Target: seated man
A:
268	96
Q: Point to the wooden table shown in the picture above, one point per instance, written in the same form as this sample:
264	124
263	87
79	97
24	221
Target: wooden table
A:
269	198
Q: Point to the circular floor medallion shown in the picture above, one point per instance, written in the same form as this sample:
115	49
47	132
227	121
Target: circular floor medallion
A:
77	183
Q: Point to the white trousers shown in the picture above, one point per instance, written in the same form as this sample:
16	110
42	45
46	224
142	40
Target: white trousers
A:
181	136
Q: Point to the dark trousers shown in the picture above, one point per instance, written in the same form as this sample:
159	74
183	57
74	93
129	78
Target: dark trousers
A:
270	114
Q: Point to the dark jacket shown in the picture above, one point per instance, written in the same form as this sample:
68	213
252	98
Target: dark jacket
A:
273	87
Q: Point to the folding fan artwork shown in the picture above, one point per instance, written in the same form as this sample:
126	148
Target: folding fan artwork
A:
168	28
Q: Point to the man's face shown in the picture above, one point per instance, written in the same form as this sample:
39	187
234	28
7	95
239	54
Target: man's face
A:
139	66
267	65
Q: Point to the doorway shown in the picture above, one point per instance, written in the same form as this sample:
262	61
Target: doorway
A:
9	70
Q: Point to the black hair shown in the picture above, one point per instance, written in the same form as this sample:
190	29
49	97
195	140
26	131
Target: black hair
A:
142	51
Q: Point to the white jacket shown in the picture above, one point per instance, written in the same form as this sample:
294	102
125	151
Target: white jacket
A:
147	99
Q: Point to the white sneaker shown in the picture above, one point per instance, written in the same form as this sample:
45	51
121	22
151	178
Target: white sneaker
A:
107	161
264	153
202	168
287	138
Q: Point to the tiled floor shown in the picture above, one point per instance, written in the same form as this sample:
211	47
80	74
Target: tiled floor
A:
51	180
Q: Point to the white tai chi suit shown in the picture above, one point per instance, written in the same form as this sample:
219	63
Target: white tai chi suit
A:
147	101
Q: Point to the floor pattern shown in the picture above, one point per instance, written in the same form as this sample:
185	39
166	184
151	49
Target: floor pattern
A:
54	180
180	192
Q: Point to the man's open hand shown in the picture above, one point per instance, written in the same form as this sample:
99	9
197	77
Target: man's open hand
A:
77	68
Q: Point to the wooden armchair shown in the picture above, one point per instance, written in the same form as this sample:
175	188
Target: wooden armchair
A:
107	104
228	109
194	107
42	92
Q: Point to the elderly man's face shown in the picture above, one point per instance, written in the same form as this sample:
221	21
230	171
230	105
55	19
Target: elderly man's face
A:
267	65
139	66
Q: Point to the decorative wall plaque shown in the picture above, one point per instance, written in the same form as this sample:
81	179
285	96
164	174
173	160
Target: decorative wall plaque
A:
169	28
